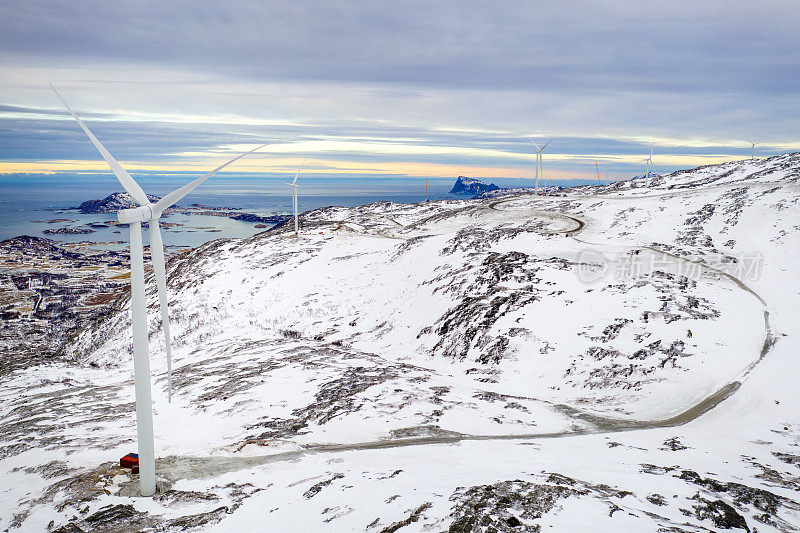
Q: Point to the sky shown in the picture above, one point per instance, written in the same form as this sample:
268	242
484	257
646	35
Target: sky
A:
408	88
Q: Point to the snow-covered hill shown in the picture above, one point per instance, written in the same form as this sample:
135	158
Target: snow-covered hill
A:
621	358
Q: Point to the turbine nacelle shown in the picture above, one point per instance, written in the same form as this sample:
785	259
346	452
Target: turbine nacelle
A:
137	214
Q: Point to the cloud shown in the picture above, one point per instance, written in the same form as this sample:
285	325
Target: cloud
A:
425	83
586	45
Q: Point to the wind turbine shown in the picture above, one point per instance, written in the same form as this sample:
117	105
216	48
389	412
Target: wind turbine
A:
649	168
147	212
597	167
539	169
294	187
427	199
752	149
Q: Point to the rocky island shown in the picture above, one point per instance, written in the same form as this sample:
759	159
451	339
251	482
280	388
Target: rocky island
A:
112	203
68	231
471	186
120	200
477	189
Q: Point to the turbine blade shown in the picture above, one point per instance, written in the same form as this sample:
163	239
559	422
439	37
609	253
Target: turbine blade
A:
545	145
177	194
125	179
298	171
534	143
159	269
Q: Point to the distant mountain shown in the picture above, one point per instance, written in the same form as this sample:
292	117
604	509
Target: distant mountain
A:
112	203
465	185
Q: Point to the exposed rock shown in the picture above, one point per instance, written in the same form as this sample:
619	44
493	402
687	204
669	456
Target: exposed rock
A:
314	489
500	506
471	186
674	444
413	517
720	513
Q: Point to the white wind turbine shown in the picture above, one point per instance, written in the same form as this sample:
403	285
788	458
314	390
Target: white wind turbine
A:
753	149
539	168
649	168
294	187
134	217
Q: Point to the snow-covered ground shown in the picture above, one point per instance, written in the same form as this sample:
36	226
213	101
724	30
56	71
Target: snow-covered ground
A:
622	358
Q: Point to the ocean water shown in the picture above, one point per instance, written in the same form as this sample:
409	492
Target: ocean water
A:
27	201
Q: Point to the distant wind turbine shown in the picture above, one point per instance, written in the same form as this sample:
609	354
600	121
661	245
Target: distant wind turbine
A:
649	168
597	167
427	199
294	187
539	168
753	149
149	213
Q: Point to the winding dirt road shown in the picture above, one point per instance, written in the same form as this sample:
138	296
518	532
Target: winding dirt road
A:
173	468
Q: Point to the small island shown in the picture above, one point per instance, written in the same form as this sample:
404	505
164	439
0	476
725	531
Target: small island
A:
471	186
119	200
68	231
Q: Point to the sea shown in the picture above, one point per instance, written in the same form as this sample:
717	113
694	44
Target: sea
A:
29	201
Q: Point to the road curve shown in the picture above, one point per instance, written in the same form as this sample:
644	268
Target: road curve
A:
172	468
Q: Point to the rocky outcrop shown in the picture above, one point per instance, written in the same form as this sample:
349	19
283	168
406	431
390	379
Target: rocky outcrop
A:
471	186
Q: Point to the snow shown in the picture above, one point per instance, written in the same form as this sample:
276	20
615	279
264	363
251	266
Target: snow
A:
393	356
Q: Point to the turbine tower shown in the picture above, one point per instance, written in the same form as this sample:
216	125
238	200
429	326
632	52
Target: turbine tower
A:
597	167
649	168
539	169
294	187
147	212
753	149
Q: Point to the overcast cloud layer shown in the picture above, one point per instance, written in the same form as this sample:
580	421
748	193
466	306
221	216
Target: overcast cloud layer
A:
427	83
